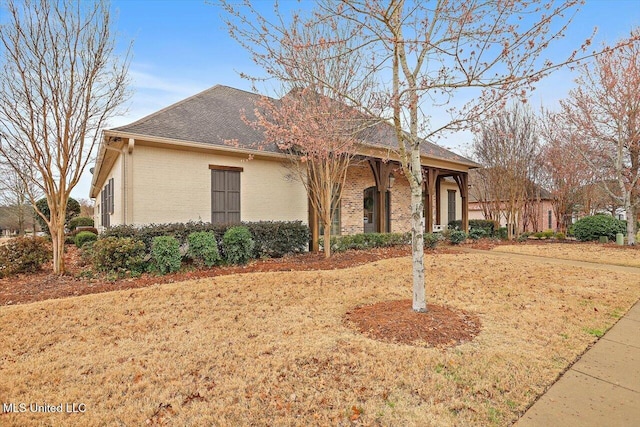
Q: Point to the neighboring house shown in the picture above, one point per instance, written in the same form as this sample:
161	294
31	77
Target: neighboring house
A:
198	160
536	215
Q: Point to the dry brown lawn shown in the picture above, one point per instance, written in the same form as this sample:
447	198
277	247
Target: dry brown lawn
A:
589	252
273	348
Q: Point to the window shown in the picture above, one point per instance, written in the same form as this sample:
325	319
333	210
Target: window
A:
550	227
451	207
107	203
225	194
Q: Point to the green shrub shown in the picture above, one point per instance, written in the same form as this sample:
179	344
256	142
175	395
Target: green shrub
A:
477	233
560	236
23	255
73	210
272	238
203	248
431	240
238	245
84	237
501	233
165	253
539	235
119	255
86	252
367	241
275	239
70	238
548	234
80	221
593	227
490	227
457	236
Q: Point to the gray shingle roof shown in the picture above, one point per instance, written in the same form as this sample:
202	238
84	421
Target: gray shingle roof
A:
214	117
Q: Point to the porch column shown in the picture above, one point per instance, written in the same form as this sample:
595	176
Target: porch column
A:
431	177
381	171
438	201
462	179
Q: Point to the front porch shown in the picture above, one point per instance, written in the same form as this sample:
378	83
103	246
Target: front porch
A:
376	198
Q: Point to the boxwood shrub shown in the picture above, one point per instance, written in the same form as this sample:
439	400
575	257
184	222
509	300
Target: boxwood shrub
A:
238	245
165	253
489	226
367	241
431	240
593	227
457	236
275	239
272	238
119	255
203	248
80	221
23	255
84	237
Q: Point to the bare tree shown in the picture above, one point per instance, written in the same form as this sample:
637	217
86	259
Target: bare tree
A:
60	81
604	111
567	175
426	53
508	146
14	195
86	207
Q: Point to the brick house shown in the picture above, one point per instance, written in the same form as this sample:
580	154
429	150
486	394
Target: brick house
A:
178	165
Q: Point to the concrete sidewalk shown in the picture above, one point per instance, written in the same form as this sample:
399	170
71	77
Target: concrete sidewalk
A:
601	389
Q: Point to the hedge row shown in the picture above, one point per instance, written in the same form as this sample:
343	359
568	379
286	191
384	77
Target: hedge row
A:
272	239
367	241
491	228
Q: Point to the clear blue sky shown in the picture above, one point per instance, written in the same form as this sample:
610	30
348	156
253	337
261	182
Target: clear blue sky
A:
182	47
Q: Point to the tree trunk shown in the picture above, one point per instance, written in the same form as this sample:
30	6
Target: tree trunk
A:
327	237
631	224
417	235
56	227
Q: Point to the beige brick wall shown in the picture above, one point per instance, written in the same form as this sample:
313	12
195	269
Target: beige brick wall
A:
172	185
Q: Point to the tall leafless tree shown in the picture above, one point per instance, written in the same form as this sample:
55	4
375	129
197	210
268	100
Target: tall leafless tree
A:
60	81
605	112
508	147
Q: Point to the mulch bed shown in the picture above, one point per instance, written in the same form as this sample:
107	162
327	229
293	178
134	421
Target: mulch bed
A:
27	288
396	322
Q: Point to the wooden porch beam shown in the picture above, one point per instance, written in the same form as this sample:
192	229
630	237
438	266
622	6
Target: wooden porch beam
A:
430	178
462	179
381	171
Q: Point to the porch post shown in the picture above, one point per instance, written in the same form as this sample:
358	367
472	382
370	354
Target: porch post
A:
462	179
381	172
431	178
438	201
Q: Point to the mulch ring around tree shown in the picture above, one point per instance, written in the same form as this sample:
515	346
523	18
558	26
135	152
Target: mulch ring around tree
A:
396	322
